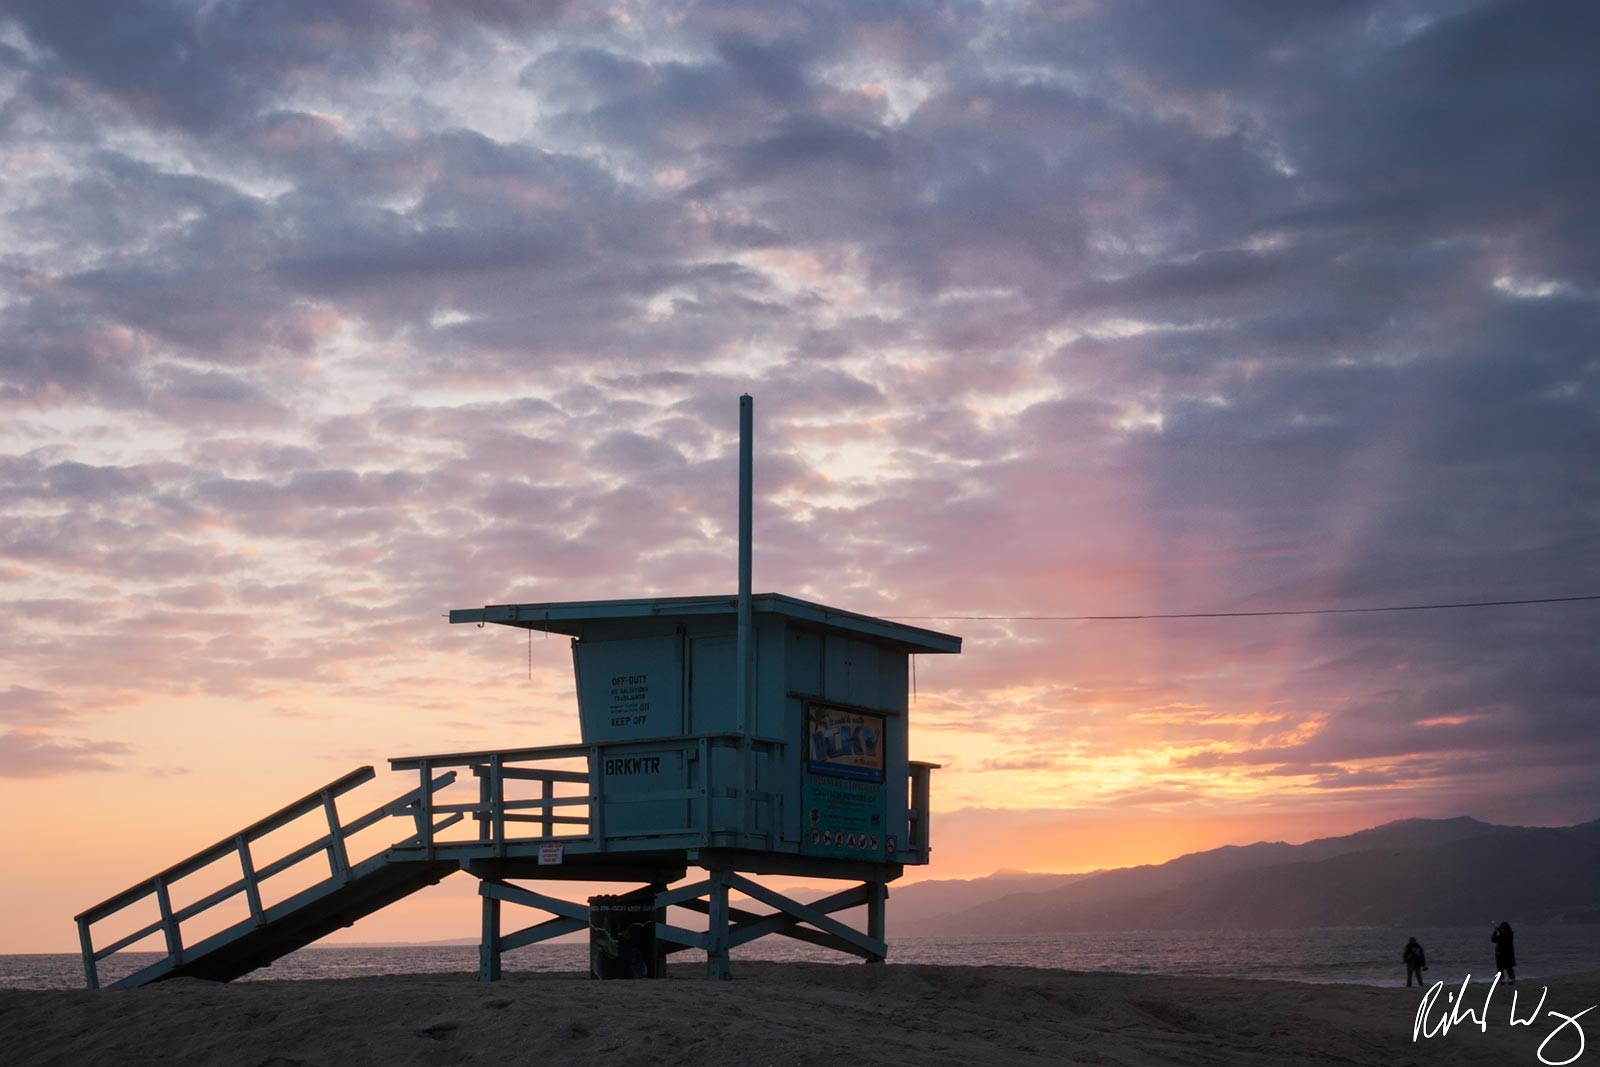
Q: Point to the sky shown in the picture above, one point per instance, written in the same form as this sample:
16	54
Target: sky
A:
318	319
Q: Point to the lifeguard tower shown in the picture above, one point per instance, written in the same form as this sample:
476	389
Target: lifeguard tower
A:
737	736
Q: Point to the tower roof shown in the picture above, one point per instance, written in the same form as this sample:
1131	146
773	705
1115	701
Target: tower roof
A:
570	616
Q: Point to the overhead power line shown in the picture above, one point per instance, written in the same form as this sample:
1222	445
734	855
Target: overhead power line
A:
1241	614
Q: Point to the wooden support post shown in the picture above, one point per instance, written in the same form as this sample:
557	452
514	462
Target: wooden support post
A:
91	970
597	800
338	858
485	806
489	943
169	925
877	897
656	889
548	794
252	888
497	803
425	811
718	964
703	755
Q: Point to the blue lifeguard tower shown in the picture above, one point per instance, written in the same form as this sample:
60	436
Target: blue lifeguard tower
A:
737	736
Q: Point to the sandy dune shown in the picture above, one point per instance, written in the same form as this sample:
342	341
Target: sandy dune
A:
780	1014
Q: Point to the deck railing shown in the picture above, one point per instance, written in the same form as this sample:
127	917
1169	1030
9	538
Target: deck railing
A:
918	814
332	846
550	814
500	816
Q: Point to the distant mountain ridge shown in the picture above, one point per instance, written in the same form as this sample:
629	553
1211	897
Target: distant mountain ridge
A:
912	907
1414	872
1421	872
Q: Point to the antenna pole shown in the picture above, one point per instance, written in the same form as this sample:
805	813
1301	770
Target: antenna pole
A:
746	650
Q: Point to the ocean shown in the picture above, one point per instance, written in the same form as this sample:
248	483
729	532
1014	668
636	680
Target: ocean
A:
1357	955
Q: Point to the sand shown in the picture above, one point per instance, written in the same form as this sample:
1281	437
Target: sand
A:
778	1013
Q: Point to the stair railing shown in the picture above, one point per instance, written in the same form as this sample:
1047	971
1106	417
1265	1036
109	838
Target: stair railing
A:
332	846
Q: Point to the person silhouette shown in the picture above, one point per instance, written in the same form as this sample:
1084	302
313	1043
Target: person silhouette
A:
1505	952
1416	961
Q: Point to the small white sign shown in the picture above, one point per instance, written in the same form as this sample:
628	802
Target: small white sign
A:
549	855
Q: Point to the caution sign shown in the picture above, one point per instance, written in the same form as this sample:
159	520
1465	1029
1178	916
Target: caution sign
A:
844	818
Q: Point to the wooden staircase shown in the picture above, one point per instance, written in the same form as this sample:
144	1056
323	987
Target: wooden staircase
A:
345	894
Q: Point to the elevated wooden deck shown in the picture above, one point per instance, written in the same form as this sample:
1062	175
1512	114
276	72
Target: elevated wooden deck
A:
539	814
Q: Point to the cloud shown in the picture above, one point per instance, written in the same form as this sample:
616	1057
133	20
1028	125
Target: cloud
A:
311	312
32	755
20	704
1155	797
202	70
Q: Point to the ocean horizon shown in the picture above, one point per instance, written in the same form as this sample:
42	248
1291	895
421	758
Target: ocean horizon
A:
1350	955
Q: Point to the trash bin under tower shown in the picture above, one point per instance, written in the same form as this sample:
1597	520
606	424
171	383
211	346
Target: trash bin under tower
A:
622	936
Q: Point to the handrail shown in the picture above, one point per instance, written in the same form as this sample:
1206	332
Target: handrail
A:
462	759
282	817
332	844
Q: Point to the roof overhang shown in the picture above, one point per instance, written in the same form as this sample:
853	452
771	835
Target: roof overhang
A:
570	617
